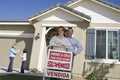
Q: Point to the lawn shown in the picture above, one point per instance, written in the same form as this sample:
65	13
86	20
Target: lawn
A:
21	77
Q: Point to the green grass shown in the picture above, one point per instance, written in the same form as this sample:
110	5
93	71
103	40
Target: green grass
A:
21	77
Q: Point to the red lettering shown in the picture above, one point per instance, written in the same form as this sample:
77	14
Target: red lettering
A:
48	73
58	74
58	65
60	56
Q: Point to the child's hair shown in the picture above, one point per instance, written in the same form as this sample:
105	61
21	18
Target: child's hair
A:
24	51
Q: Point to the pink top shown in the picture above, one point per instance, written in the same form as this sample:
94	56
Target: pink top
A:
23	57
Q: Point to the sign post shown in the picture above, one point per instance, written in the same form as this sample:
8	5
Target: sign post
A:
59	64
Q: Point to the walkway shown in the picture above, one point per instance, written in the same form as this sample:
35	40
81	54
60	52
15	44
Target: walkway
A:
3	72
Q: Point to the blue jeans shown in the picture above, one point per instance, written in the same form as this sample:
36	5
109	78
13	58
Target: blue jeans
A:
10	67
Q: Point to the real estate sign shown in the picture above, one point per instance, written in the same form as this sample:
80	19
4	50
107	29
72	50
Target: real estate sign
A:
59	64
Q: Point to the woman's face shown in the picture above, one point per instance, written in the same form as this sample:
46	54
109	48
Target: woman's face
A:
60	32
14	46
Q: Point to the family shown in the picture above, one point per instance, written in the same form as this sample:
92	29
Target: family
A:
61	41
13	52
65	42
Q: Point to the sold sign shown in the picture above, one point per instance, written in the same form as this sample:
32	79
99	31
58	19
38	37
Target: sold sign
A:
59	64
59	60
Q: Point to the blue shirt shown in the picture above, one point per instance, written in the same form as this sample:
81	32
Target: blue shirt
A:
76	47
12	52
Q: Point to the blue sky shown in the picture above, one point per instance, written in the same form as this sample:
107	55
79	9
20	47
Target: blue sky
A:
23	9
117	2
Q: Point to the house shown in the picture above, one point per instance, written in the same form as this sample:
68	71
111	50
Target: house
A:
96	25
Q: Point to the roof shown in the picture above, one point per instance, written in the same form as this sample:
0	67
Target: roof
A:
66	8
14	22
100	1
109	4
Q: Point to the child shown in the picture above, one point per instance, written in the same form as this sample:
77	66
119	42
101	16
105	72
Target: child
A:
23	56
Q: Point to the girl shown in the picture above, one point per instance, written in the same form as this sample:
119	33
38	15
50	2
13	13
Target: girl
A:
23	56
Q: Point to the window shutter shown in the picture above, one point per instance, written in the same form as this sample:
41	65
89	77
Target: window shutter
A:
90	43
119	44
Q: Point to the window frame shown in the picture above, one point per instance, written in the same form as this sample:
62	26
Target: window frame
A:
106	60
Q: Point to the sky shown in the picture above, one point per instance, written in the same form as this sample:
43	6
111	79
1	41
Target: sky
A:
117	2
23	9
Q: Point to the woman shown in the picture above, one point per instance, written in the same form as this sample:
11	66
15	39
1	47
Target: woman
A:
13	52
59	42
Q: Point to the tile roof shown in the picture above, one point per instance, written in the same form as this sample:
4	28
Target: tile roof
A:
64	7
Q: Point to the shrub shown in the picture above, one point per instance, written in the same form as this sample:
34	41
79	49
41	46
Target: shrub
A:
92	76
34	70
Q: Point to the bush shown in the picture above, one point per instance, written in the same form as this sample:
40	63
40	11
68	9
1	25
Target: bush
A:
34	70
92	76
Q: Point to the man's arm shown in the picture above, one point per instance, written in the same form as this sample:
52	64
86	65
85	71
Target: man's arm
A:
78	47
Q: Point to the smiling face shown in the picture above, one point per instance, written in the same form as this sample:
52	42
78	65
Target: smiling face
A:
70	32
60	31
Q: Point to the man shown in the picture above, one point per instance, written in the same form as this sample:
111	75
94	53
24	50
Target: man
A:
76	46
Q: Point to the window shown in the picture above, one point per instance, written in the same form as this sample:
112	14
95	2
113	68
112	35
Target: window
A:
106	44
103	44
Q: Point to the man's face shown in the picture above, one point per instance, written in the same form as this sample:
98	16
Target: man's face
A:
69	32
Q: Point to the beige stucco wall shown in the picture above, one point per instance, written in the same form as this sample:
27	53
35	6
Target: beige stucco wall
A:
79	33
98	12
103	70
81	65
22	42
57	16
36	46
24	28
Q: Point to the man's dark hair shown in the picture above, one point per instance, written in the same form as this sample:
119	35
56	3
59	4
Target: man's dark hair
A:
70	28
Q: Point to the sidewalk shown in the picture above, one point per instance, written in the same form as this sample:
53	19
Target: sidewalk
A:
3	72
